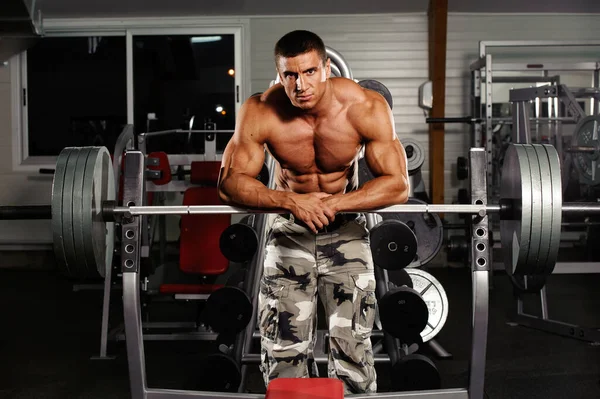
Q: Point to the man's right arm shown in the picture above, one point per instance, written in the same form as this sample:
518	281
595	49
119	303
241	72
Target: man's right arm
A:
242	161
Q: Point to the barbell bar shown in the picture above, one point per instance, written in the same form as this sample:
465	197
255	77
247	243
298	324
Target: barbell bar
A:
481	210
84	208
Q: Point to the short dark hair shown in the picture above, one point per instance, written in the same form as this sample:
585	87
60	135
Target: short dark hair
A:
299	42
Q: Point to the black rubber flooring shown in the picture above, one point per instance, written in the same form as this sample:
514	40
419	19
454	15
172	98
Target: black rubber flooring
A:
48	334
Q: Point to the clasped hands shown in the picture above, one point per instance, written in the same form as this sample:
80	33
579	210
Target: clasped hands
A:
316	210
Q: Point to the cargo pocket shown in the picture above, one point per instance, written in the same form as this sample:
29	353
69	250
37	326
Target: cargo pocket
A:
269	303
364	306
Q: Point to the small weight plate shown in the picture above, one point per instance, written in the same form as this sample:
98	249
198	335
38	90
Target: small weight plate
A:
78	228
435	298
515	234
238	242
427	227
228	309
393	244
546	194
99	186
403	313
586	134
555	178
415	155
57	210
67	214
537	206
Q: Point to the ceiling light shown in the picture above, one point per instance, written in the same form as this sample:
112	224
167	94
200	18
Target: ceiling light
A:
205	39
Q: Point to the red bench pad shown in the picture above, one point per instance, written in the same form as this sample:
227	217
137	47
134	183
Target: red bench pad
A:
305	388
200	234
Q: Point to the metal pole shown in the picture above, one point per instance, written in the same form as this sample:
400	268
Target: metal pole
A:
476	209
225	209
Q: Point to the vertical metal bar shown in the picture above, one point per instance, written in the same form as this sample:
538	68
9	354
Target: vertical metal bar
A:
519	305
476	107
210	143
520	126
133	193
488	122
544	303
105	312
481	266
129	77
596	83
243	344
382	280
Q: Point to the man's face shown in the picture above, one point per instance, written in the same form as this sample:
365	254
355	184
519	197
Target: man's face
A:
304	78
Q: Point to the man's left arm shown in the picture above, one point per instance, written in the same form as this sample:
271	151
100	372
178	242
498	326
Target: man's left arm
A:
384	155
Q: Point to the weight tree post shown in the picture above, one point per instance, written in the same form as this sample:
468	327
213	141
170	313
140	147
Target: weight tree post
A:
133	193
480	266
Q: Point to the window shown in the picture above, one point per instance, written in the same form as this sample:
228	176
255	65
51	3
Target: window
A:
182	78
74	93
86	79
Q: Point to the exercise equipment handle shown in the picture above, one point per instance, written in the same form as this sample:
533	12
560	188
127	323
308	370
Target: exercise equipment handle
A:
460	119
23	212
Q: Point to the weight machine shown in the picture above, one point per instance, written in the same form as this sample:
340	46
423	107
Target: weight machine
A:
133	193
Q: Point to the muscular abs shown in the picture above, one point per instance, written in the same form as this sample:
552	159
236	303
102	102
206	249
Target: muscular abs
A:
310	160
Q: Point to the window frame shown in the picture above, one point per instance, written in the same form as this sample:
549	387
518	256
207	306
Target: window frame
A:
239	27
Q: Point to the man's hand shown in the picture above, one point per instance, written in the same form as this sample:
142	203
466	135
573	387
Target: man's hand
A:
310	209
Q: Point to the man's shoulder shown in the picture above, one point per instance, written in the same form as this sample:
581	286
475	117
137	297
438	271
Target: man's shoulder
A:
353	95
268	101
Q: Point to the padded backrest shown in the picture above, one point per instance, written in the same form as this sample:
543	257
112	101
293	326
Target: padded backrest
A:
205	173
200	234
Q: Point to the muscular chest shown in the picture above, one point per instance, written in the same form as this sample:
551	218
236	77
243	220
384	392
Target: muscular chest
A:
327	147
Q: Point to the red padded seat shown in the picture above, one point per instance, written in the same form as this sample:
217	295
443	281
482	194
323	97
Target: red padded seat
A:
305	388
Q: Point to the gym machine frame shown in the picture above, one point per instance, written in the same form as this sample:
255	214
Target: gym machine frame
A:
133	193
521	133
482	79
124	142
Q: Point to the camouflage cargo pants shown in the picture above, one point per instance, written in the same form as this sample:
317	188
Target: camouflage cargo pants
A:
338	266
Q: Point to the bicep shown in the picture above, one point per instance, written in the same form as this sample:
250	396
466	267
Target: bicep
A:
383	152
386	157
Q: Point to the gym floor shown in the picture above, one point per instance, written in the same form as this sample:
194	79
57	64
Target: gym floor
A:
49	334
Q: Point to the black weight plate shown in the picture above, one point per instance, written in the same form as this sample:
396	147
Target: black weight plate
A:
75	268
57	212
228	309
380	88
238	242
393	244
403	313
415	372
427	227
218	373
